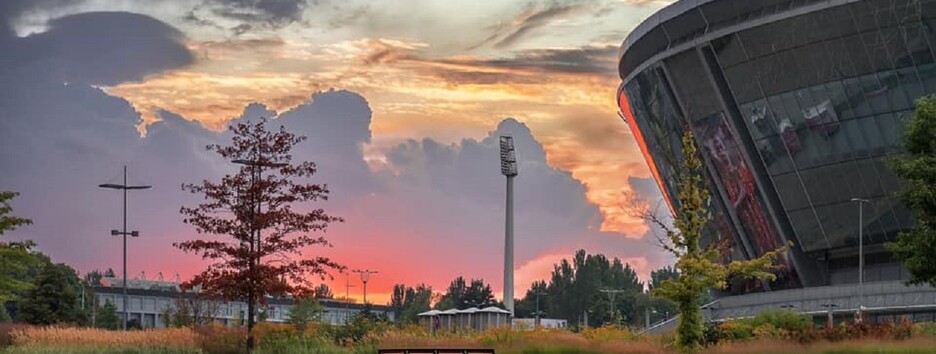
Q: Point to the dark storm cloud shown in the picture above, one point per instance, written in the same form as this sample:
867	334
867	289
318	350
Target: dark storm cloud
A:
101	48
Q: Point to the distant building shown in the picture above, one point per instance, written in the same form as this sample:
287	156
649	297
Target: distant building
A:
150	298
548	323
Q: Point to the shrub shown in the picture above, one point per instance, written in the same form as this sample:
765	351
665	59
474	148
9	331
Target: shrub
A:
768	331
712	334
785	320
736	330
921	328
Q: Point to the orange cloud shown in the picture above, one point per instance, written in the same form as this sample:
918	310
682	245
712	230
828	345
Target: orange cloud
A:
564	95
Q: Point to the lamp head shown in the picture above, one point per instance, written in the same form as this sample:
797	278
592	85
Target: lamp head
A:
508	156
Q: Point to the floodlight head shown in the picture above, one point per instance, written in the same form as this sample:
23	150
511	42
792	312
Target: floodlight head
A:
508	156
115	232
134	234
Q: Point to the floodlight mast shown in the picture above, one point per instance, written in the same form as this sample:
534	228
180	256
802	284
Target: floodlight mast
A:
508	159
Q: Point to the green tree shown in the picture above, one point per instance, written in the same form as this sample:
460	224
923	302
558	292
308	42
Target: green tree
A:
661	308
9	222
322	291
408	302
462	295
107	317
15	257
917	168
698	267
305	310
53	298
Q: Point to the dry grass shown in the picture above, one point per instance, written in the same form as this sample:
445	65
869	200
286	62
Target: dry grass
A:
92	337
917	345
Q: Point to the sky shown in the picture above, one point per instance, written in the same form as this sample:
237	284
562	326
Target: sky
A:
402	102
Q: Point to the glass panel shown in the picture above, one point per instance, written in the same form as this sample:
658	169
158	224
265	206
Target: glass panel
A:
917	46
875	92
910	82
807	229
892	82
774	152
890	130
793	197
839	223
759	119
928	75
860	106
839	98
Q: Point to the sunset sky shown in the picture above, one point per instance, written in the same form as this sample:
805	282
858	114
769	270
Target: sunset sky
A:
402	102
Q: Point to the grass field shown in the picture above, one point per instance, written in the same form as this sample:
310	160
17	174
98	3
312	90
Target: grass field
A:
284	339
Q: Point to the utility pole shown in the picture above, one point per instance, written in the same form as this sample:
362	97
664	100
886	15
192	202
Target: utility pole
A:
611	293
508	158
124	187
536	323
348	287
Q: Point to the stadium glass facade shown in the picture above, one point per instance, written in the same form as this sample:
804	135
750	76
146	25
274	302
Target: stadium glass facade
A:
796	106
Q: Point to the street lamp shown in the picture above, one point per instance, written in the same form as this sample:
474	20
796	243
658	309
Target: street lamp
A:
365	277
831	320
861	202
508	160
124	187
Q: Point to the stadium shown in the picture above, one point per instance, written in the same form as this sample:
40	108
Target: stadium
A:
796	106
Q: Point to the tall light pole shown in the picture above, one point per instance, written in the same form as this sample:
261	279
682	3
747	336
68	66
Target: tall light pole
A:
256	172
508	159
124	187
861	202
365	277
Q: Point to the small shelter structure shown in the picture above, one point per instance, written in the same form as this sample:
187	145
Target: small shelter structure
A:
470	319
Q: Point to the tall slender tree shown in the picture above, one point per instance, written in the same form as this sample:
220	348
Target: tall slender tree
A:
917	167
258	222
698	267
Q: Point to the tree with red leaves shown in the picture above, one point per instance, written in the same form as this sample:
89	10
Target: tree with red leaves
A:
258	222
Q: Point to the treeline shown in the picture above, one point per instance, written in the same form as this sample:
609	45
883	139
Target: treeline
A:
573	292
